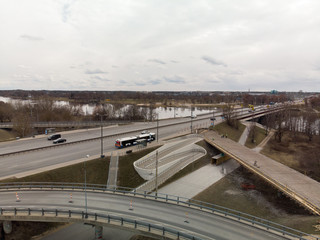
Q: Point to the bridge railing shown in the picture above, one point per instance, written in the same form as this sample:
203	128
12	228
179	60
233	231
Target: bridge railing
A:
186	202
56	214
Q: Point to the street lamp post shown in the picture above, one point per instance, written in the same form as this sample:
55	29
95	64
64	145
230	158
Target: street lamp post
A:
156	173
191	120
102	156
158	127
85	188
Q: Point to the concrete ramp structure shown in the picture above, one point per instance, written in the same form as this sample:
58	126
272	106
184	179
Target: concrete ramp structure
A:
171	157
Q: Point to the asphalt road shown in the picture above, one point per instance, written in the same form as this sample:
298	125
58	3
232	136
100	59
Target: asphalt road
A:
199	223
13	165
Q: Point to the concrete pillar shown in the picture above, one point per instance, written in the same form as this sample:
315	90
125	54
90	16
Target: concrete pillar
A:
7	227
98	232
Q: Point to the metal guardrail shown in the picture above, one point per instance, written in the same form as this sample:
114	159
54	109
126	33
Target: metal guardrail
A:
55	214
297	197
195	204
68	124
98	138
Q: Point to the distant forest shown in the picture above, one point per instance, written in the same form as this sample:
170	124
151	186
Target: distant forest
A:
161	97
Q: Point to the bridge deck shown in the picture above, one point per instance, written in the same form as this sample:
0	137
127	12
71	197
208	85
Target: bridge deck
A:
296	185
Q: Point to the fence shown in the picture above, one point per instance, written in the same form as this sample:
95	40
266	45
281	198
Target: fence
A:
195	204
100	219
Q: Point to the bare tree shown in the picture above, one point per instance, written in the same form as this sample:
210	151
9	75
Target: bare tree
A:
280	119
309	119
267	122
252	131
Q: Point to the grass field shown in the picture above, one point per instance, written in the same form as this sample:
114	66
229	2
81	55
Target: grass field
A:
195	165
296	154
233	133
259	137
127	175
6	135
97	172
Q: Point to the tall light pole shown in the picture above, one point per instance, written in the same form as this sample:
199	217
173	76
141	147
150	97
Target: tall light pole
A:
85	188
102	156
156	173
191	120
157	127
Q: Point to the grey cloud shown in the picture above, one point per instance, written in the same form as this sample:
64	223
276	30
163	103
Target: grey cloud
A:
175	79
173	61
31	38
24	67
114	66
123	82
213	61
139	84
100	78
96	71
65	12
156	61
155	82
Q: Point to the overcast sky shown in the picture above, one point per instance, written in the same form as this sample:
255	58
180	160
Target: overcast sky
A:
150	45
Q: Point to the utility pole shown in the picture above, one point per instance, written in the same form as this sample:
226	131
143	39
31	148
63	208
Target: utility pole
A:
157	127
191	120
156	173
102	156
85	188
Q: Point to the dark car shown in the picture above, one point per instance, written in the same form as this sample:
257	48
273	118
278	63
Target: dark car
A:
54	136
59	140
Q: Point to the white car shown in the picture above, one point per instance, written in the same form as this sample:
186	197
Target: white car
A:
193	116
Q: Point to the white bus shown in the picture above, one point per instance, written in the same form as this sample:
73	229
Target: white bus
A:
129	141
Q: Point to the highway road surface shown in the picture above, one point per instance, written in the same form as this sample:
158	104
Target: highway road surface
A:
17	164
196	222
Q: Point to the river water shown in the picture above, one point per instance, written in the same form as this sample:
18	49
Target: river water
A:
168	112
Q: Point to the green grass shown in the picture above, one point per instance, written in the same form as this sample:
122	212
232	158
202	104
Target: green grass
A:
97	173
127	175
193	166
260	135
233	133
6	135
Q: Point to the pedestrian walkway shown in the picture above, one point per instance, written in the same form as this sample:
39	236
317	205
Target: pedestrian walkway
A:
245	133
113	172
197	181
294	184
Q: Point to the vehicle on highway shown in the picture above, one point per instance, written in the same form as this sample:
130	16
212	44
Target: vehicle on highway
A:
60	140
129	141
193	116
54	136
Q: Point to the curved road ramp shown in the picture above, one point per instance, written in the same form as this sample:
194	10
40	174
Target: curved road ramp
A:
167	161
163	215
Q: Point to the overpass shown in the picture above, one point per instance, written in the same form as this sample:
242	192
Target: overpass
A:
162	215
297	186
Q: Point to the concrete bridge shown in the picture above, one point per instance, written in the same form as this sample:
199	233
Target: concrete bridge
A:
162	215
297	186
